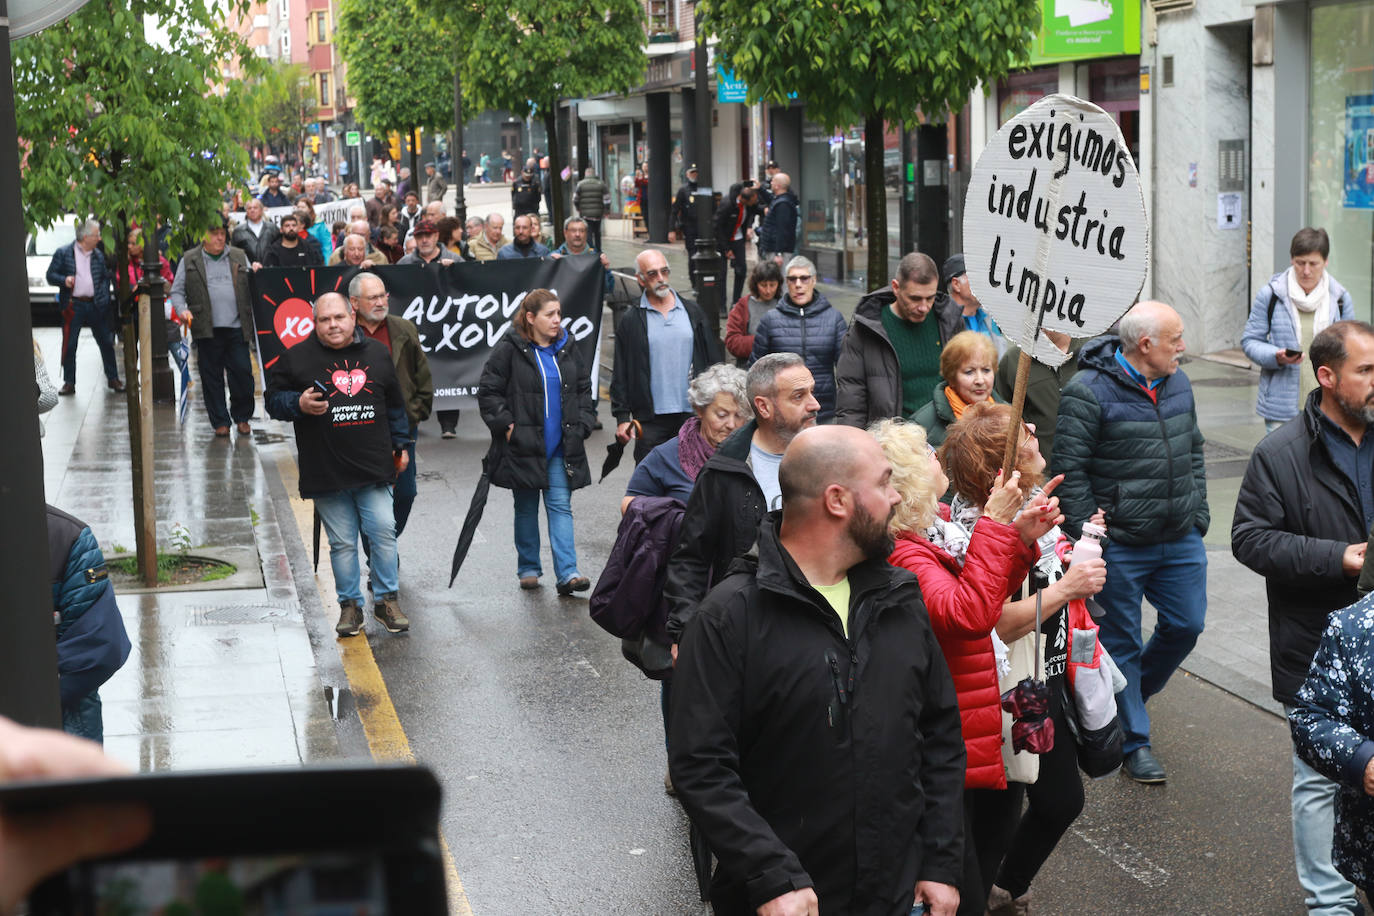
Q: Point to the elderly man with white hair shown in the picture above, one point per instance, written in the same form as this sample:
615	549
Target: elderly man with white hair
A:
83	278
356	252
1128	443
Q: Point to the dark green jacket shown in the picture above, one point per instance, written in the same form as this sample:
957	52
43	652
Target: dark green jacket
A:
937	416
412	368
1042	390
1139	459
198	292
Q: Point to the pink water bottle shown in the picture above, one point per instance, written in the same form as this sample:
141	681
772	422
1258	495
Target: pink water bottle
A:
1089	547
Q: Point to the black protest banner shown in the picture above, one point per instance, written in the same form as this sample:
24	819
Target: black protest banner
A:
461	310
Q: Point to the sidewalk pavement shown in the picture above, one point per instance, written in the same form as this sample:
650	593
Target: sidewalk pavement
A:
218	677
237	677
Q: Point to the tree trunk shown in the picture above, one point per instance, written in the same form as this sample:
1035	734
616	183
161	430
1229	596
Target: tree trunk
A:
414	166
145	541
458	173
875	198
555	178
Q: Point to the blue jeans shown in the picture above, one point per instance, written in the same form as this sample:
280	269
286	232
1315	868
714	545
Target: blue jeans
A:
348	513
558	508
226	354
1314	824
1173	576
87	314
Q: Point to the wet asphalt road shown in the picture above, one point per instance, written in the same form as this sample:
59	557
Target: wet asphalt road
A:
549	745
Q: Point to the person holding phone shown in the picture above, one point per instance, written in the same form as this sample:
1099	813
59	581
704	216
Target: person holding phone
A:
1296	304
536	398
339	387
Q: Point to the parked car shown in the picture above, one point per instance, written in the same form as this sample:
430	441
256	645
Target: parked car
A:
38	252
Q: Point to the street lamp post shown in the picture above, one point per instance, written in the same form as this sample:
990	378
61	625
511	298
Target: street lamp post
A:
705	261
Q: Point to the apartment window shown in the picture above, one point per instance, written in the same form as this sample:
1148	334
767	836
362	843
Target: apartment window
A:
321	26
284	10
324	90
286	44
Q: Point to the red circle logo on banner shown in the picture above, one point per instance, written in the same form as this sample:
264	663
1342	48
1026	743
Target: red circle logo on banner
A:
294	321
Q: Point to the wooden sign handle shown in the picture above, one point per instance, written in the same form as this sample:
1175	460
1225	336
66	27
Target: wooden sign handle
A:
1018	404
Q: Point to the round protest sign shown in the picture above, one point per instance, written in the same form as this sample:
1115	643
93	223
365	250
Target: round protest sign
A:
1055	234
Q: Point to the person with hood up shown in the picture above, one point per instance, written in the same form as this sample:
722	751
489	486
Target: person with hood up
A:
805	323
536	398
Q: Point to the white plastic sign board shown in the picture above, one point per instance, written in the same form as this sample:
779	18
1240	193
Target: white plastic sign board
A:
1054	225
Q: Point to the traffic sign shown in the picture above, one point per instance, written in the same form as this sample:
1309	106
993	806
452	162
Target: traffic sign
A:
351	138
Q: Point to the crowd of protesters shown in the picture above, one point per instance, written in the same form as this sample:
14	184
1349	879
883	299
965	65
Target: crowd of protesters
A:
870	633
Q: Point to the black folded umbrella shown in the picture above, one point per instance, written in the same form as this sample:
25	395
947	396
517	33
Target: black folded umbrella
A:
315	545
475	510
616	450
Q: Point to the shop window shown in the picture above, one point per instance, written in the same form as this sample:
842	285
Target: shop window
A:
1020	91
1340	163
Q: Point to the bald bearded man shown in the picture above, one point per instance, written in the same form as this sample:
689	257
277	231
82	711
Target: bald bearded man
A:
808	799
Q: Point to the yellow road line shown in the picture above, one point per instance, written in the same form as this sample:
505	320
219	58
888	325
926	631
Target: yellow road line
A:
386	739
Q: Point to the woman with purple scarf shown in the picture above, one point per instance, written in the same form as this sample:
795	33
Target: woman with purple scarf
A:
718	400
721	406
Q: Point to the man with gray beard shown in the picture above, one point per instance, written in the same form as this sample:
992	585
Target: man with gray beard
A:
1303	514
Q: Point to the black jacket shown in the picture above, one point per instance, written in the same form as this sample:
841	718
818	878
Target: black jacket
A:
868	378
1139	459
682	218
1295	515
779	230
305	253
811	758
630	393
722	521
351	444
524	196
255	245
512	391
728	213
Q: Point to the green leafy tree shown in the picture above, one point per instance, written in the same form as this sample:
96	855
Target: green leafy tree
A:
129	131
870	62
281	103
398	68
525	55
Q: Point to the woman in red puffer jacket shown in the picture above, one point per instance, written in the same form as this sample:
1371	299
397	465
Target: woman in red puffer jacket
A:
965	579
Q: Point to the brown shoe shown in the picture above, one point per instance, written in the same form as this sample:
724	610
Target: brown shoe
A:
67	389
116	385
387	610
245	429
350	619
529	583
222	431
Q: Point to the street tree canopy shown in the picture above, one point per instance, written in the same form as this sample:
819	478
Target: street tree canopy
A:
525	55
871	61
397	69
114	126
282	104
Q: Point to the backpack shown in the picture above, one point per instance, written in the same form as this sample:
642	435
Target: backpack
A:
628	600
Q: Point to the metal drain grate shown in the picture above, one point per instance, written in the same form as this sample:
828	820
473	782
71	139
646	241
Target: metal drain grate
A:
241	614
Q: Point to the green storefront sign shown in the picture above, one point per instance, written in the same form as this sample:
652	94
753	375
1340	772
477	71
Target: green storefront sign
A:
1084	29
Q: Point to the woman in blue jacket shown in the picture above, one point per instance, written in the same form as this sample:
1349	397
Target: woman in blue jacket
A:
1292	308
804	323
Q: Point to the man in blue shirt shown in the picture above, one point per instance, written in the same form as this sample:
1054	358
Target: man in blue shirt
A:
1302	516
659	346
525	245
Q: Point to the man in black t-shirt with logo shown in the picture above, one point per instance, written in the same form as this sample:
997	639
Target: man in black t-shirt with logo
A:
339	388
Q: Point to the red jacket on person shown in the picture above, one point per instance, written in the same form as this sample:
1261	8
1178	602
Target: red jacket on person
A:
965	604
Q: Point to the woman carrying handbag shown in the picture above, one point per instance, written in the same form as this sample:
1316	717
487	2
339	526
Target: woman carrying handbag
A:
536	398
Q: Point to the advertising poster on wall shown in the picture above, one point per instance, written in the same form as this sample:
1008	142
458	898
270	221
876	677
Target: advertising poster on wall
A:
1083	29
1359	153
